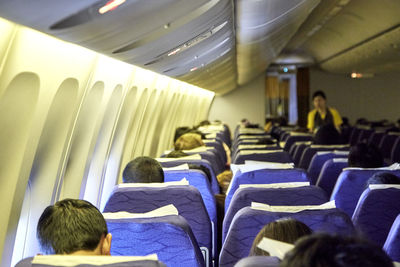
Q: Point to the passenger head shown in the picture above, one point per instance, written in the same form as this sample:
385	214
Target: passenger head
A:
204	123
188	141
285	230
327	135
180	131
383	178
73	226
363	155
143	170
176	154
319	100
224	179
323	250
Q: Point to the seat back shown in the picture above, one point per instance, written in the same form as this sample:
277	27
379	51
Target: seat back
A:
291	196
296	138
310	151
265	176
392	243
351	184
375	213
329	174
170	237
319	159
198	179
118	262
201	162
186	199
252	147
395	154
386	145
248	222
270	156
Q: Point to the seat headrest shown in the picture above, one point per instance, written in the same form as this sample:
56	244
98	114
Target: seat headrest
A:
250	152
292	209
155	185
177	168
274	247
383	186
195	156
393	167
163	211
337	160
276	185
259	165
72	260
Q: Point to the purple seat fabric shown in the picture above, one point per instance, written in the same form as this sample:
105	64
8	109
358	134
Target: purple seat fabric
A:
298	151
186	199
364	135
264	147
258	261
265	176
376	138
329	174
170	237
318	160
354	135
280	156
296	138
296	196
310	151
214	183
350	185
198	179
145	263
375	213
219	148
392	243
395	155
211	156
248	222
386	146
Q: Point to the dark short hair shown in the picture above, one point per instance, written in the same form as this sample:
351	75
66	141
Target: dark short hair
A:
365	155
143	170
319	93
176	154
335	251
70	225
383	178
286	230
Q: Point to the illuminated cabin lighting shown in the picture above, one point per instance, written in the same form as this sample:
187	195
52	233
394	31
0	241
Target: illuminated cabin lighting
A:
111	5
193	69
285	69
174	52
356	75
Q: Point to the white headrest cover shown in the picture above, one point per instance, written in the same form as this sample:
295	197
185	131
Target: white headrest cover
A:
383	186
163	211
292	209
74	260
249	152
339	160
165	184
177	168
276	185
393	167
195	156
259	165
274	247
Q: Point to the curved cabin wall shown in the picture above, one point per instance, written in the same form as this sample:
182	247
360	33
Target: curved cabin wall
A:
70	120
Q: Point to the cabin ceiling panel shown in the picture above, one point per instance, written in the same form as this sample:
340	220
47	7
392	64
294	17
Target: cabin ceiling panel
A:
263	28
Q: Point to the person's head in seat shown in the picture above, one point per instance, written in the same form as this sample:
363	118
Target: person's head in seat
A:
286	230
323	250
188	141
143	170
383	178
363	155
75	227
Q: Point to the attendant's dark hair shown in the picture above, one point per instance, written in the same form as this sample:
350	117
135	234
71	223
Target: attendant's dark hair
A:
319	93
143	170
363	155
323	250
70	225
286	230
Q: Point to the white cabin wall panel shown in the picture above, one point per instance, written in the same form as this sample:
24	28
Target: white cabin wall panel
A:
371	98
246	102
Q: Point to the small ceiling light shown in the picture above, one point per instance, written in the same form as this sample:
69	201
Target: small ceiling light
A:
193	69
111	5
356	75
166	26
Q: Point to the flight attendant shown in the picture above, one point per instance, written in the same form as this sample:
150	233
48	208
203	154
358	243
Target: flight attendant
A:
322	114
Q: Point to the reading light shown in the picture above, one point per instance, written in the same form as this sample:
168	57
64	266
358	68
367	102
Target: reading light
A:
111	5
